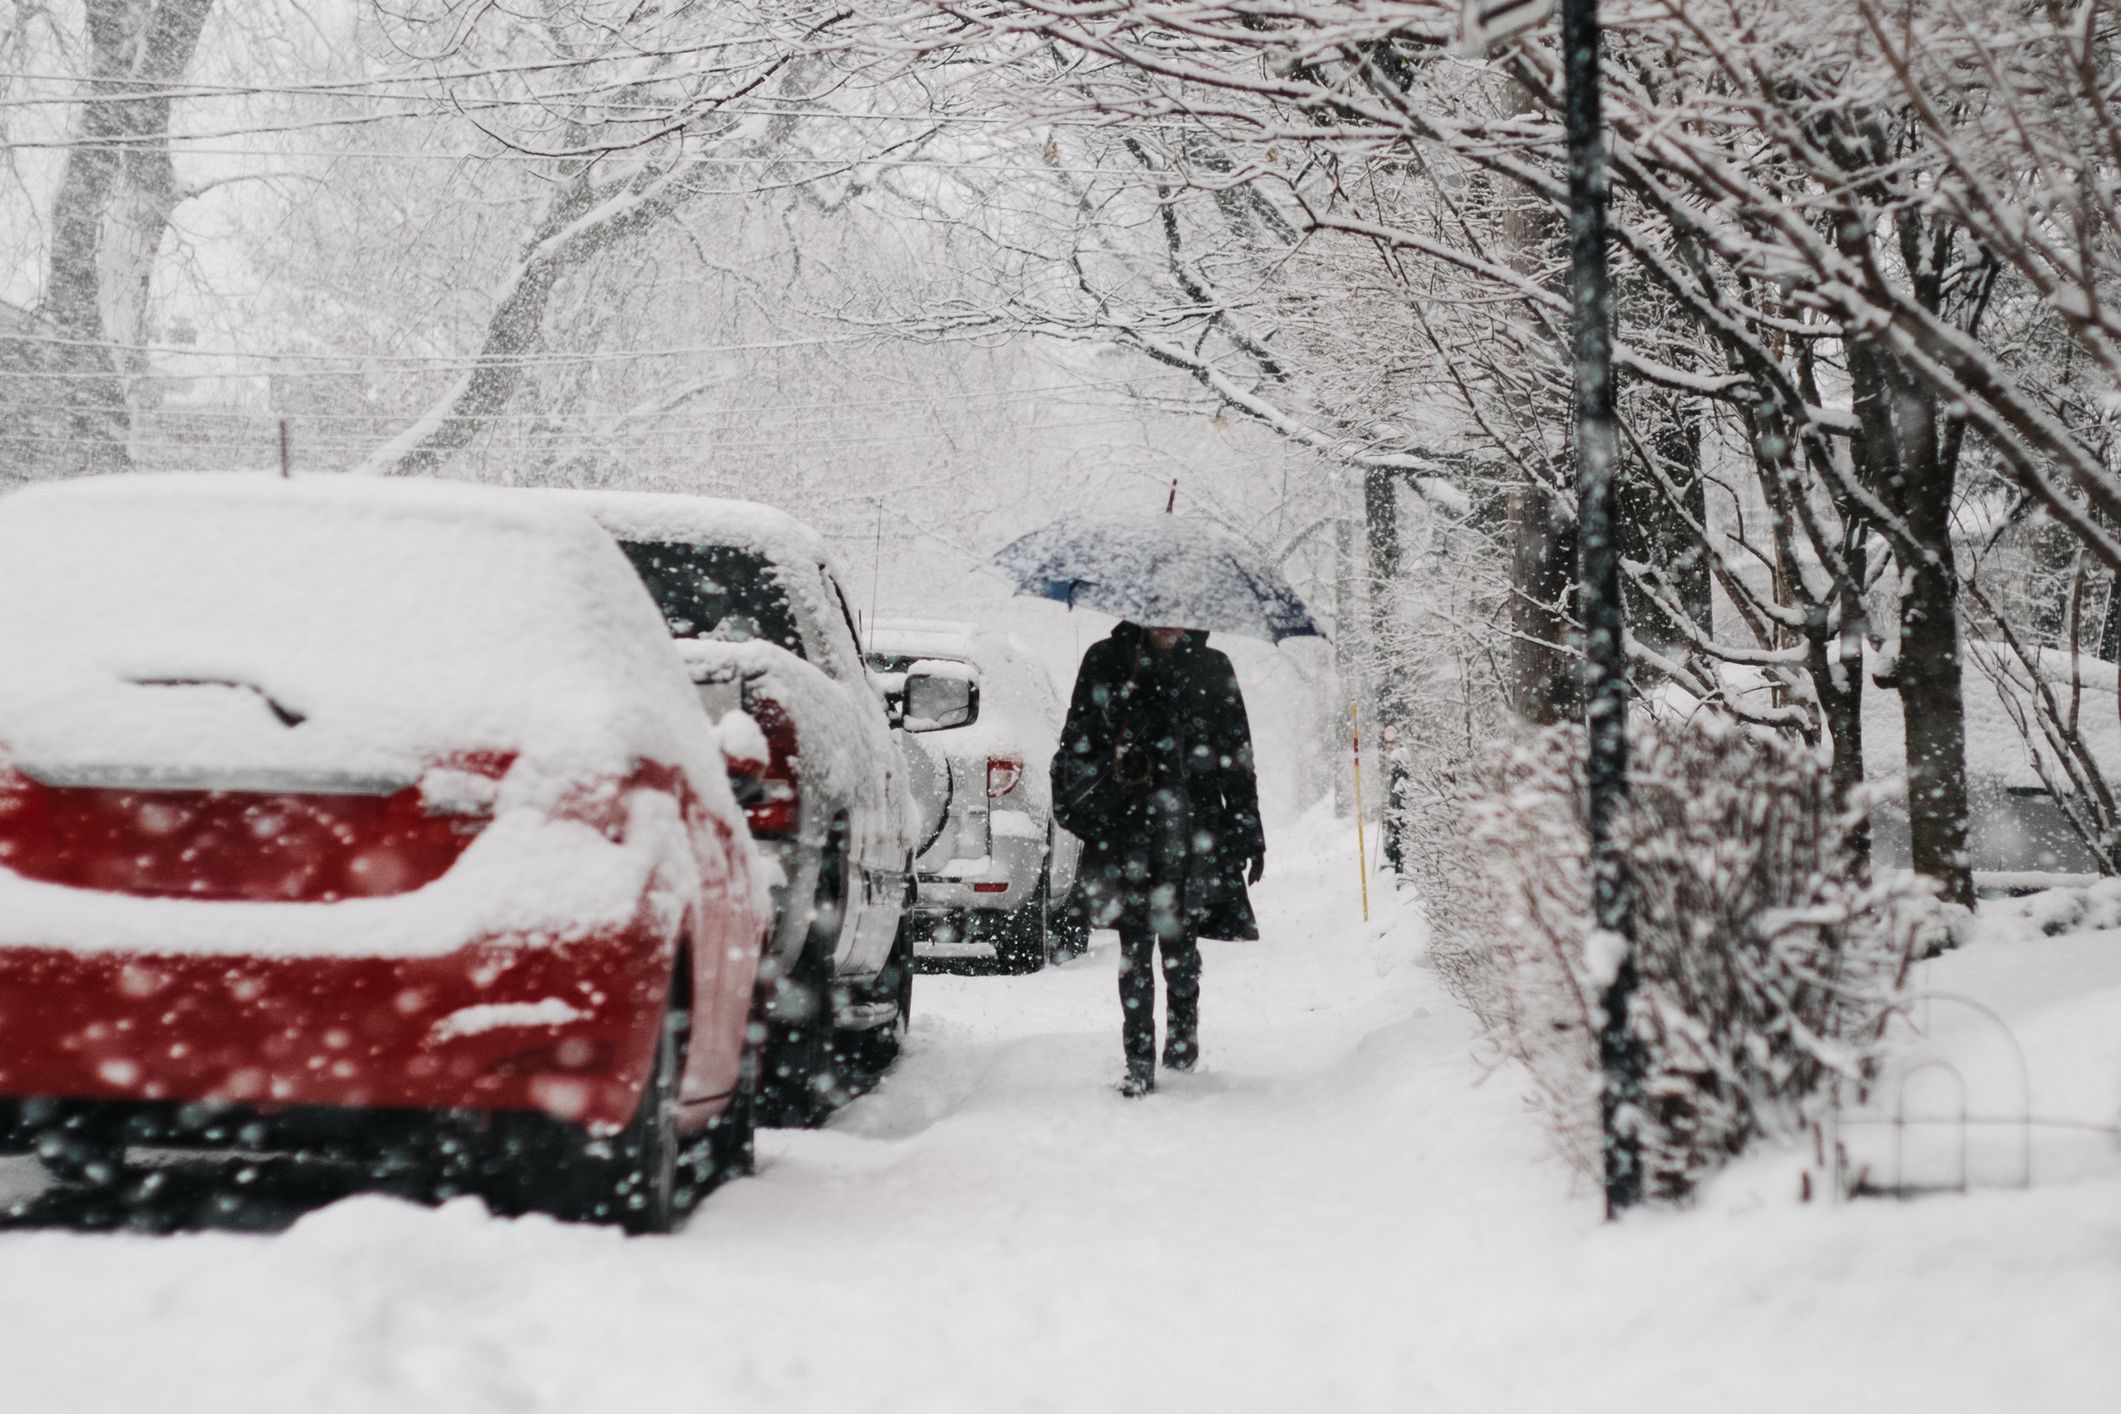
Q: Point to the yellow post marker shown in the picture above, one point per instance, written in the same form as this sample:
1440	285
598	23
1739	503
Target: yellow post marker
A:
1362	847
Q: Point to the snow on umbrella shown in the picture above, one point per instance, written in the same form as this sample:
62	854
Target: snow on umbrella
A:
1160	570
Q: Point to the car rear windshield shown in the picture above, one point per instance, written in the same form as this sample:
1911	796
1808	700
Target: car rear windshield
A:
716	591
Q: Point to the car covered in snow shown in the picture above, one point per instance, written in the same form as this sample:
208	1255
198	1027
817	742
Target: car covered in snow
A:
752	597
370	820
994	876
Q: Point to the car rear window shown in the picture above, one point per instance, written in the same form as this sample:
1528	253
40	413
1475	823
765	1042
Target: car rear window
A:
716	591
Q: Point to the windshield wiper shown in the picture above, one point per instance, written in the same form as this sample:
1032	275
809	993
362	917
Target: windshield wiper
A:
287	716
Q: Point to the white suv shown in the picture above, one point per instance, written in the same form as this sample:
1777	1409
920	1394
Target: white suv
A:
993	877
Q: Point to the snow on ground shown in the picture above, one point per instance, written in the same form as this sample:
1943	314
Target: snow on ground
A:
1334	1215
2023	1023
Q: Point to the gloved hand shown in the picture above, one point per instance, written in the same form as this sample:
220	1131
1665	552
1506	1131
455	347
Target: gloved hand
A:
1257	868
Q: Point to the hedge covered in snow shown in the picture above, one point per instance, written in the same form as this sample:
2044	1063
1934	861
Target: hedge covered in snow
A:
1767	965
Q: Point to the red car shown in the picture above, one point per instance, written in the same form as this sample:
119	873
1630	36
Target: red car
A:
372	821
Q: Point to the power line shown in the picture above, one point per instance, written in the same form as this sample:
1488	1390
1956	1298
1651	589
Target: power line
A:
768	105
679	444
465	362
842	162
547	66
660	420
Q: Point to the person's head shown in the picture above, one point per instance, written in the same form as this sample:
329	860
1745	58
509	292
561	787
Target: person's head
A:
1163	640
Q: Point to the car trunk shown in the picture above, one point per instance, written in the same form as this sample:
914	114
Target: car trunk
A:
260	836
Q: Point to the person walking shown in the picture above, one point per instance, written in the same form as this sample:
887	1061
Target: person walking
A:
1155	775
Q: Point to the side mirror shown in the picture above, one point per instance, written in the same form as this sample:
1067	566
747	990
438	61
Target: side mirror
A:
935	702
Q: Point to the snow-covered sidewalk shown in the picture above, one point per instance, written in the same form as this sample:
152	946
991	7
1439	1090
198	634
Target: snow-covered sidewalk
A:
1335	1215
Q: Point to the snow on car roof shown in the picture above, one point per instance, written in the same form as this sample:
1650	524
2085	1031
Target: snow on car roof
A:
945	637
782	541
986	648
249	626
700	520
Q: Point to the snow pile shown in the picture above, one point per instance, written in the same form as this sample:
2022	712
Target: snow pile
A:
741	738
2001	1070
2052	913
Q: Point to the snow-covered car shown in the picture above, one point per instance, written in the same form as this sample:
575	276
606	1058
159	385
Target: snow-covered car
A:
371	820
993	876
2019	834
752	597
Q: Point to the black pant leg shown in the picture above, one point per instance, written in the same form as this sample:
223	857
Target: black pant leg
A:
1137	996
1181	963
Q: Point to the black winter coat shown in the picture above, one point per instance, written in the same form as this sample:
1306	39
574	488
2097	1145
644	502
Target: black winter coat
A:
1155	776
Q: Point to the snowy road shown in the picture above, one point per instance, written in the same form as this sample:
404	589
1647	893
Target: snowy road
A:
1332	1216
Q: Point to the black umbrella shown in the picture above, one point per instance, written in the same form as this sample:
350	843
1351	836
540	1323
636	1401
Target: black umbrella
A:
1160	570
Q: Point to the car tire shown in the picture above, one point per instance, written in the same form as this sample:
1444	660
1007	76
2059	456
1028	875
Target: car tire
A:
635	1179
797	1083
1020	946
1067	931
795	1075
876	1050
732	1147
645	1190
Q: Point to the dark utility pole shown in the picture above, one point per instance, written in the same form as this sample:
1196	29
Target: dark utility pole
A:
1611	948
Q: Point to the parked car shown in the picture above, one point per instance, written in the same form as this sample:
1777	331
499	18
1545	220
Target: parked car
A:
993	878
753	598
370	820
2020	832
2019	836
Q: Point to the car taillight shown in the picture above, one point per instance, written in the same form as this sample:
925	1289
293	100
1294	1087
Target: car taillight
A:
771	790
1003	772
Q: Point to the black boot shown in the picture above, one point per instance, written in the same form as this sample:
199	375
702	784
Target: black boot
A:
1141	1079
1181	1046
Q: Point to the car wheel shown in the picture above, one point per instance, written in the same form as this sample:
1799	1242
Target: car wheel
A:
1021	945
797	1084
732	1150
645	1192
878	1049
634	1179
796	1074
1067	931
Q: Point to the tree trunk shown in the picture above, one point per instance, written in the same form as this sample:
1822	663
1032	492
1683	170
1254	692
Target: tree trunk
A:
1654	531
1913	467
1836	666
1543	686
1380	508
109	215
